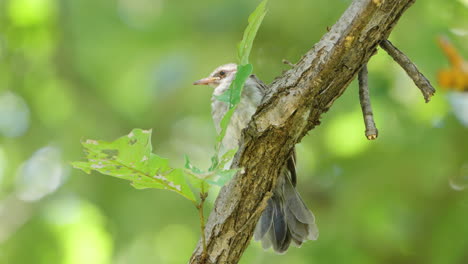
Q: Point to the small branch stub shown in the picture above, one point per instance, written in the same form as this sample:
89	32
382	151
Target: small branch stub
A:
364	98
288	63
419	79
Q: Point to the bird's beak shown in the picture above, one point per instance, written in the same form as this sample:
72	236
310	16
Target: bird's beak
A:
206	81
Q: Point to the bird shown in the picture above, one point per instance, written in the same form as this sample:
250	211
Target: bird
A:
286	219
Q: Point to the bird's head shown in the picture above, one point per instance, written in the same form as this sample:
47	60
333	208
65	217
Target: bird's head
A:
220	78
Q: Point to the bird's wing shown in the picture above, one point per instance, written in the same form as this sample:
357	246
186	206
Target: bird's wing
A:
262	86
291	166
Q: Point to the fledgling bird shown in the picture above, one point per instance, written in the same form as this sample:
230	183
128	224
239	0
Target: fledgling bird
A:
286	218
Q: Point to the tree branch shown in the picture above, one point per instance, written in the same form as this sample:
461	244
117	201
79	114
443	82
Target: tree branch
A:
293	107
364	98
419	79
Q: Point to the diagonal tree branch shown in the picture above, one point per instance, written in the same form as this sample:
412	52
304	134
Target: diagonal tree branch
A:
294	106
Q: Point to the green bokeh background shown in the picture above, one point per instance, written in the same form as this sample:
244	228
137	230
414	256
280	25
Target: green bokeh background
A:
96	69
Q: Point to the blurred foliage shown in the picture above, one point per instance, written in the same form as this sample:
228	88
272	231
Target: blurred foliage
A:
96	69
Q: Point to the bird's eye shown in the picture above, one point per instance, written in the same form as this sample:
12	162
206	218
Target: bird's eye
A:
222	73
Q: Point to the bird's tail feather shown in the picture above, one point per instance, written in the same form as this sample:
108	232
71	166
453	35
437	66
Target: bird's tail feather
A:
286	218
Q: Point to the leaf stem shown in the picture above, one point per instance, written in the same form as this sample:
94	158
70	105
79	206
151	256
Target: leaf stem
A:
200	207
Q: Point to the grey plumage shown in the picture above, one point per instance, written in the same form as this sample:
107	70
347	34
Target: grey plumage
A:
286	218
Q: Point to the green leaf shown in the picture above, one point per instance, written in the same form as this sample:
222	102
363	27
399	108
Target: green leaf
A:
235	91
217	175
188	165
226	96
196	177
224	124
233	94
130	158
227	157
255	20
214	158
222	177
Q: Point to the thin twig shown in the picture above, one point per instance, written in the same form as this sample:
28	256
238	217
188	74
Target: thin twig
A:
419	79
200	208
364	98
288	63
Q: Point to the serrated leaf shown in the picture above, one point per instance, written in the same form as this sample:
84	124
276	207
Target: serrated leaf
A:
130	158
255	20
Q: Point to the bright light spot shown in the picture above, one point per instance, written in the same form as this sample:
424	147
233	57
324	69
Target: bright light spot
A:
460	31
460	181
465	2
14	115
345	136
174	244
459	102
31	12
140	13
64	211
42	174
3	164
81	229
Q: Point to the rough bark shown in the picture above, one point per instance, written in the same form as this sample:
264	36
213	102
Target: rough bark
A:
297	100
